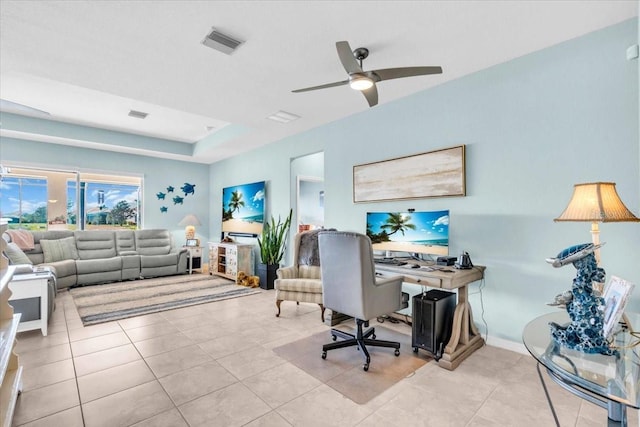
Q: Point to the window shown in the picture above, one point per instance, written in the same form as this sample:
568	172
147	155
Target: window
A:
109	205
23	199
46	200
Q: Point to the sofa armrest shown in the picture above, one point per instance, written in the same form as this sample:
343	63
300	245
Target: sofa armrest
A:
287	272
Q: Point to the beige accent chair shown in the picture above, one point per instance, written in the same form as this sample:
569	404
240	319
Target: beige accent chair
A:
302	281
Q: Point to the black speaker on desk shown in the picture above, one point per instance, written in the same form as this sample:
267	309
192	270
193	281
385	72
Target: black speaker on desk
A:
432	320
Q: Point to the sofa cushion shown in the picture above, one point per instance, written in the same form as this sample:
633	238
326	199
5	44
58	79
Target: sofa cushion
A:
15	254
95	244
125	242
153	242
58	250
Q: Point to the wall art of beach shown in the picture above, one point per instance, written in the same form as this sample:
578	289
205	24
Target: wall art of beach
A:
243	208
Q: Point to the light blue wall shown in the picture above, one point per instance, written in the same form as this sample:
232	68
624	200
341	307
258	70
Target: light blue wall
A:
157	175
533	127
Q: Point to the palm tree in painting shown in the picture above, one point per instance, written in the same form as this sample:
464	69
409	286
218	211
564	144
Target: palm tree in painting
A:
236	202
397	222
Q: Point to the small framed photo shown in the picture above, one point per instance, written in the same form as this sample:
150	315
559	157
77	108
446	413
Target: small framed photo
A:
616	294
192	242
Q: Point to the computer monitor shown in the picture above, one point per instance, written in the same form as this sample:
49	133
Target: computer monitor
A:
415	233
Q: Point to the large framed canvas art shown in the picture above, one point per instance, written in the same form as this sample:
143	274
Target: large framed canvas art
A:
439	173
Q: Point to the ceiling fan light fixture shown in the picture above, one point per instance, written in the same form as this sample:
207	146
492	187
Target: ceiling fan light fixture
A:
360	82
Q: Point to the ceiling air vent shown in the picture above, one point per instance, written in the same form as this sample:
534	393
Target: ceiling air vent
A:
221	42
138	114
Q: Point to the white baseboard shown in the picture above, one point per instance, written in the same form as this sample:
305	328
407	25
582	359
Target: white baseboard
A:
518	347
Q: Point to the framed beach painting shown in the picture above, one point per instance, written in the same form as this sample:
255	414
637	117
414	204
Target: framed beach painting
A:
439	173
243	208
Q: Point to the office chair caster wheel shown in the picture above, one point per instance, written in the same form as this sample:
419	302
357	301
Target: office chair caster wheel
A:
334	337
373	336
397	352
365	367
324	354
415	349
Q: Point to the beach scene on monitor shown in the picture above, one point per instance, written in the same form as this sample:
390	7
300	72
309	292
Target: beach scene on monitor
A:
412	232
243	208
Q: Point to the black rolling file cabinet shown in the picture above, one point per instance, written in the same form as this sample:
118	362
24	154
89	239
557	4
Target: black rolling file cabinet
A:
432	321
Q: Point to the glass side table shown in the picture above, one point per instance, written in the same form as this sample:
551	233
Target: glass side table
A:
607	381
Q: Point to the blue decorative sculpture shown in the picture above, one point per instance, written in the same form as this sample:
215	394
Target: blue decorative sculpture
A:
160	195
586	309
178	200
163	209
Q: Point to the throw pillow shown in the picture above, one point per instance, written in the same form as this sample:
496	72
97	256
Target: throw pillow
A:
15	254
58	250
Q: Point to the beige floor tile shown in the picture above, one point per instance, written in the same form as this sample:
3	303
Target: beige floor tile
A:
68	418
323	407
414	405
281	384
162	344
44	375
102	342
139	321
152	330
35	404
94	331
33	340
170	418
229	344
250	362
45	355
127	407
207	332
234	405
112	380
94	362
195	382
167	363
190	322
271	419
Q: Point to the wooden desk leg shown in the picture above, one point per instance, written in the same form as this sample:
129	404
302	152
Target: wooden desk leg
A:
465	338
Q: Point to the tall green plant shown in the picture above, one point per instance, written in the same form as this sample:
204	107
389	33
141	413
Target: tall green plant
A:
273	241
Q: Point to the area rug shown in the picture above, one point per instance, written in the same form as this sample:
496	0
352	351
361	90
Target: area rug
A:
105	303
342	369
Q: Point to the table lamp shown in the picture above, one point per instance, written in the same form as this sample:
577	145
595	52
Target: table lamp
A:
596	202
189	222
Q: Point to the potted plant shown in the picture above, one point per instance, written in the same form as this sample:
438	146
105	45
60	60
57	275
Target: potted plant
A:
272	243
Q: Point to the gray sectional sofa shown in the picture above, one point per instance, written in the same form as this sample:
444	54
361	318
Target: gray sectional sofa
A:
102	256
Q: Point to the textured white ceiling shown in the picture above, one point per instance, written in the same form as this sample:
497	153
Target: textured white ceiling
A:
90	62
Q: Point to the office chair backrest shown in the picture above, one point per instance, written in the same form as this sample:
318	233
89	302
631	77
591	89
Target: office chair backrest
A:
348	272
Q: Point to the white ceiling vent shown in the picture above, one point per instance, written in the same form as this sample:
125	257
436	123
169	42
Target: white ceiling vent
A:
138	114
221	42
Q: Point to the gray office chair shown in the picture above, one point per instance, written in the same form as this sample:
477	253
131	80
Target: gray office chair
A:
350	286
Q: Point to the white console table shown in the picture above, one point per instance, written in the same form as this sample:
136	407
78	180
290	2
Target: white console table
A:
32	285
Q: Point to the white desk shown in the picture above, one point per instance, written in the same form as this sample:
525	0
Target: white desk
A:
465	338
32	286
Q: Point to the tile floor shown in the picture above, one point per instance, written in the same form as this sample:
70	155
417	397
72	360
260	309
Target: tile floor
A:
213	365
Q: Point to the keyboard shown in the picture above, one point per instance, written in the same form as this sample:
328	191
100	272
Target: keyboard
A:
389	261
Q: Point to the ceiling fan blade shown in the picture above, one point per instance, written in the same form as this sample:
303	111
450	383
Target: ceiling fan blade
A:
397	73
306	89
349	62
372	95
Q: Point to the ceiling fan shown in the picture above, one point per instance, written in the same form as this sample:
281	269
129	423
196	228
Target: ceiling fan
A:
365	81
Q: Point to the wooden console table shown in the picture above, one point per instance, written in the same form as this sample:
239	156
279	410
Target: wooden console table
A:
465	337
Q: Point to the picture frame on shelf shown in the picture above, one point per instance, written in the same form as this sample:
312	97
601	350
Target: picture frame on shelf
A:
616	294
192	242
